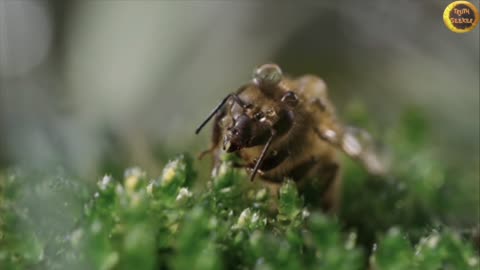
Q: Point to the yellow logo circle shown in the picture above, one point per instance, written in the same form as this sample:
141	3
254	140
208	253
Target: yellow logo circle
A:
461	16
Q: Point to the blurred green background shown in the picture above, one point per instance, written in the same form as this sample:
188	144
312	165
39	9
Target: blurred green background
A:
89	88
84	81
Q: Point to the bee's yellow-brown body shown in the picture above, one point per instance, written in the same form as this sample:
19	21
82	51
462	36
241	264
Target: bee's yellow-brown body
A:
287	128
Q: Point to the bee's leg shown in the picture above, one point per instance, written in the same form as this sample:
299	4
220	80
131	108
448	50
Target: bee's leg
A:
331	193
356	143
216	134
206	152
322	186
262	155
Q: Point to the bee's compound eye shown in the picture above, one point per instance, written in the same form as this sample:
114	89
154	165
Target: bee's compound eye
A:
290	99
268	75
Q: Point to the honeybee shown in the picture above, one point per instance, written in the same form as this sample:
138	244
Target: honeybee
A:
282	127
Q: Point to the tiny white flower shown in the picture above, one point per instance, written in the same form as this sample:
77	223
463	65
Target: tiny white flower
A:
132	178
255	217
261	194
106	180
150	187
168	173
183	194
473	261
131	183
134	171
433	241
223	169
244	218
305	213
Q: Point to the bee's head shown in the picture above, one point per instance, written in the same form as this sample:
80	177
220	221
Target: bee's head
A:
258	111
239	134
253	125
245	131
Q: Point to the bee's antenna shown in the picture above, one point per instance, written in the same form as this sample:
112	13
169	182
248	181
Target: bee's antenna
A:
262	155
214	111
220	105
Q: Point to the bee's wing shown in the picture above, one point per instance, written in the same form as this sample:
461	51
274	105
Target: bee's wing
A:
355	142
359	144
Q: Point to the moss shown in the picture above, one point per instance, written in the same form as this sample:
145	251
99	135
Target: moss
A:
412	219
